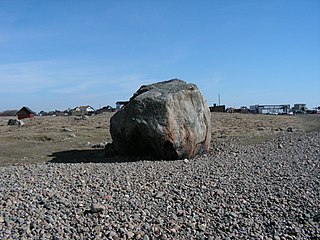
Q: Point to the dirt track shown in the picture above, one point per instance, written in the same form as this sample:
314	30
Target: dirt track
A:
44	139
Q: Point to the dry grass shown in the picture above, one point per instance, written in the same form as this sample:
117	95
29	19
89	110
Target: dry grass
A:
42	138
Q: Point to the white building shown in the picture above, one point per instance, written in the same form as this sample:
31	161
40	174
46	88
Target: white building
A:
271	109
83	110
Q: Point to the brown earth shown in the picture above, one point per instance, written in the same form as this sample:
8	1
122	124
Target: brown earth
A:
44	139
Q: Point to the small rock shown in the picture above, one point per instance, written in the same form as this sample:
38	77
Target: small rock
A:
97	207
289	129
163	237
130	235
99	145
67	130
191	225
12	122
72	135
316	217
138	236
234	215
186	160
202	227
180	213
160	195
1	220
280	145
219	192
112	234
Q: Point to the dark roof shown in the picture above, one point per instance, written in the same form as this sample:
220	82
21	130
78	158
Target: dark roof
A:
25	110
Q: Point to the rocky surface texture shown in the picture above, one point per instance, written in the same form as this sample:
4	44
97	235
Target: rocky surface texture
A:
268	190
166	120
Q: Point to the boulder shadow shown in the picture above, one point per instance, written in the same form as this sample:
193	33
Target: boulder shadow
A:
78	156
88	156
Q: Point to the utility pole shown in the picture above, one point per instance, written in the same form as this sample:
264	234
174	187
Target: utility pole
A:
219	98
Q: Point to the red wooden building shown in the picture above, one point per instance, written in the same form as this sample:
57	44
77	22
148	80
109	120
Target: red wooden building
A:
25	112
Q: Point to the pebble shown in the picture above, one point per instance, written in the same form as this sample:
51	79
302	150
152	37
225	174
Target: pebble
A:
99	145
96	207
160	194
130	235
316	217
67	130
260	194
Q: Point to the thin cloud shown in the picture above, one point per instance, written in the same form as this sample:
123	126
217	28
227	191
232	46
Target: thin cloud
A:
24	77
49	76
217	78
74	88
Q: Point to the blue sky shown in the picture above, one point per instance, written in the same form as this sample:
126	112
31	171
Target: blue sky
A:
61	54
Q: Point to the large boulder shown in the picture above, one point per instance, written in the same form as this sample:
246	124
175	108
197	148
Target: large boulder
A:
165	120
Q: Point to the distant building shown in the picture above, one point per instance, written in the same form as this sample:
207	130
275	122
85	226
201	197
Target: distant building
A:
243	109
300	107
82	110
270	109
215	108
254	108
121	104
25	112
105	109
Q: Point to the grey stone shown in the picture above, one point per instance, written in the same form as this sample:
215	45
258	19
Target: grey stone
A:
12	122
97	207
67	130
100	145
316	217
165	120
202	227
289	129
130	235
160	194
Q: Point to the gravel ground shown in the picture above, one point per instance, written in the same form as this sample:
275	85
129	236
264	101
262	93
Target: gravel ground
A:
269	190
